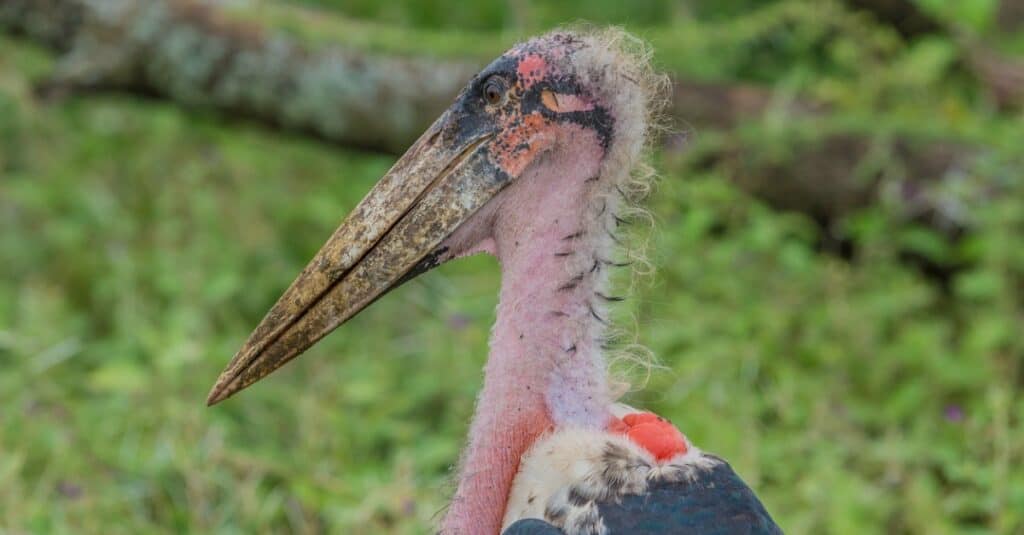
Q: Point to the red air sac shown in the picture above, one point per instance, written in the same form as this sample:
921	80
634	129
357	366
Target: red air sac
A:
653	433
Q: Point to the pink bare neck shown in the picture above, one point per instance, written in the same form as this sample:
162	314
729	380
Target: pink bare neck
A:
545	367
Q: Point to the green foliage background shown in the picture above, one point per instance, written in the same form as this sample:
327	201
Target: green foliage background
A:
139	244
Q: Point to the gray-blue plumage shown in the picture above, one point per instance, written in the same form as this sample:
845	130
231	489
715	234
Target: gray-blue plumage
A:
532	526
716	502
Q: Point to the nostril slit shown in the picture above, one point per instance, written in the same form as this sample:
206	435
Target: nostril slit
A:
433	138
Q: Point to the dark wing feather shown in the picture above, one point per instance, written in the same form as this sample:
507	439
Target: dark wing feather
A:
532	526
715	502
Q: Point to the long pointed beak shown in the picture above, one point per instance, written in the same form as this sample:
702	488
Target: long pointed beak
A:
393	234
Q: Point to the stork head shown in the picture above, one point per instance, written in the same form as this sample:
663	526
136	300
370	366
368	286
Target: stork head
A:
561	93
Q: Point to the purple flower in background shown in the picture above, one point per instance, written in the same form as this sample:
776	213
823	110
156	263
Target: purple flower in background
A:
69	490
954	413
458	322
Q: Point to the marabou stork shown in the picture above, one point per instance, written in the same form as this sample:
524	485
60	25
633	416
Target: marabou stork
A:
532	164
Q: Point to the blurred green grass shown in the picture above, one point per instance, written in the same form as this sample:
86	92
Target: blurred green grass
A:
140	243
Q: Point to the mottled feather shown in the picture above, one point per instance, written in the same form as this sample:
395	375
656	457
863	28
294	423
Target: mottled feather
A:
714	501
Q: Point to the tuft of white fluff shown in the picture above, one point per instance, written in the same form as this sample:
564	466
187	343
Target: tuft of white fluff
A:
566	474
617	68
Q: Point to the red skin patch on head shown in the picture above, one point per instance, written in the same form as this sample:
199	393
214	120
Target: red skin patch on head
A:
651	432
531	69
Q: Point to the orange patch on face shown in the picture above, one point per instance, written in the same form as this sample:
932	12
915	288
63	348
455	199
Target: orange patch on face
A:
549	99
560	103
519	143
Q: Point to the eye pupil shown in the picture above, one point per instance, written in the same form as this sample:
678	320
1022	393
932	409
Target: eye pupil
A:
493	91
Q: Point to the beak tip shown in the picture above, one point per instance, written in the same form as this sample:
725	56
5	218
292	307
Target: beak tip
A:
229	382
221	390
215	397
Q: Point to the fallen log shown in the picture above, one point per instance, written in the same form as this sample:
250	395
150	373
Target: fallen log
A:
189	53
193	54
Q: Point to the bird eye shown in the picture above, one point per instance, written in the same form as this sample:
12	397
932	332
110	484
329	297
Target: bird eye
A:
494	90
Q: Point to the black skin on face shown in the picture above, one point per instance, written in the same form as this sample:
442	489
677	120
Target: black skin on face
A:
471	116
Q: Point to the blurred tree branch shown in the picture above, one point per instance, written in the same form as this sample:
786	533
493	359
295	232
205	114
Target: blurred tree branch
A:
199	56
1002	76
190	53
1011	15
